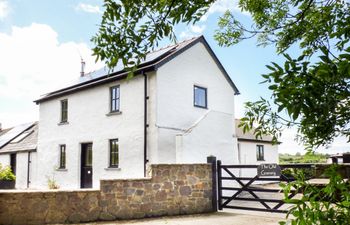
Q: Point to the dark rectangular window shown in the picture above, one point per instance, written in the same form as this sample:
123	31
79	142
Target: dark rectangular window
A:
260	152
13	163
62	156
64	111
200	97
113	153
115	98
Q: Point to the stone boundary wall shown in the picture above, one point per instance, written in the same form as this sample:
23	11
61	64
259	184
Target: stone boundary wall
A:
173	189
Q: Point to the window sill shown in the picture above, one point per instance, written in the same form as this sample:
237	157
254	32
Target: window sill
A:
202	107
62	123
113	113
260	160
62	169
113	168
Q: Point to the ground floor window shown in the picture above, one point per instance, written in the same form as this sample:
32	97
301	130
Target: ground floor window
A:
62	156
260	152
113	153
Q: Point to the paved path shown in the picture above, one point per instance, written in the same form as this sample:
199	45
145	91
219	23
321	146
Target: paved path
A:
220	218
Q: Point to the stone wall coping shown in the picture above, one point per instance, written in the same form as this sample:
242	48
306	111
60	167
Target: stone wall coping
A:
128	179
181	164
48	191
317	164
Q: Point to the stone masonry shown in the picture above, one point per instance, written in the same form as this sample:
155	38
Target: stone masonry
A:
172	190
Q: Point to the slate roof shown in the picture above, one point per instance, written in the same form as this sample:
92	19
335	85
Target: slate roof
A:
24	140
3	131
153	61
249	136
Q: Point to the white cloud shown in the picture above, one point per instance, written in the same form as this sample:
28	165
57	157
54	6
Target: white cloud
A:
193	30
222	6
33	62
197	29
88	8
289	145
219	6
4	9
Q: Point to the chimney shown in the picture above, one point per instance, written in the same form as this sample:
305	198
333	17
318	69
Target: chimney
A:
82	68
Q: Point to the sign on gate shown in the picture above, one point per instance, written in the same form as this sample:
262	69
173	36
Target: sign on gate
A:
268	170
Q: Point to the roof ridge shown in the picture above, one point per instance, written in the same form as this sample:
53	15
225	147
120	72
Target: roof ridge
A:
176	44
157	50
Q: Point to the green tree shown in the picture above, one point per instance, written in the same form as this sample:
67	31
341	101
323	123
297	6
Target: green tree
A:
310	92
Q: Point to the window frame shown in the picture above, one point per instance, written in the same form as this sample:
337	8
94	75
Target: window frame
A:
260	153
63	157
64	120
194	97
111	165
117	99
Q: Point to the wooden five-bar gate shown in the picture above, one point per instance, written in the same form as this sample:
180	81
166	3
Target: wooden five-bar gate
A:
235	191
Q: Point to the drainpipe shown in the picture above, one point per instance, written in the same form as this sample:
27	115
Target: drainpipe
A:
145	126
28	170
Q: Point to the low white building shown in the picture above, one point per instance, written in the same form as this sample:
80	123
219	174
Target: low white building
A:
18	150
254	151
179	108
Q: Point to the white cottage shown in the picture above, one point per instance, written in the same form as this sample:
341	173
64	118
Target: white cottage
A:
179	108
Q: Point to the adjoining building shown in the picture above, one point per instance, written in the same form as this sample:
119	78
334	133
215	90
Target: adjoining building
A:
254	151
18	147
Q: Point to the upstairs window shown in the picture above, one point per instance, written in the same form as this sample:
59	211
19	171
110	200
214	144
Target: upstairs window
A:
64	111
113	153
62	157
260	152
115	98
200	97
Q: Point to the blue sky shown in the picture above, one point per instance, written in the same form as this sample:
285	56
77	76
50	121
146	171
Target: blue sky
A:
41	43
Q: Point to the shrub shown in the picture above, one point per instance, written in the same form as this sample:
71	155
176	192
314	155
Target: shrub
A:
324	205
51	183
6	173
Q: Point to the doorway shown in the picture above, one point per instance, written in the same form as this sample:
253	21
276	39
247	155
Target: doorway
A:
86	166
13	163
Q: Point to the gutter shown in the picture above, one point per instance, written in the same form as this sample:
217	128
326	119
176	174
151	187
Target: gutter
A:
256	140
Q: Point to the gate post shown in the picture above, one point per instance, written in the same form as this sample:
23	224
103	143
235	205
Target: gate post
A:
212	160
219	184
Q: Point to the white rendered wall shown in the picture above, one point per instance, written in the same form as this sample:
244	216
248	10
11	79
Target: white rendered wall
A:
175	110
248	155
212	136
88	122
33	170
21	170
152	131
5	159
